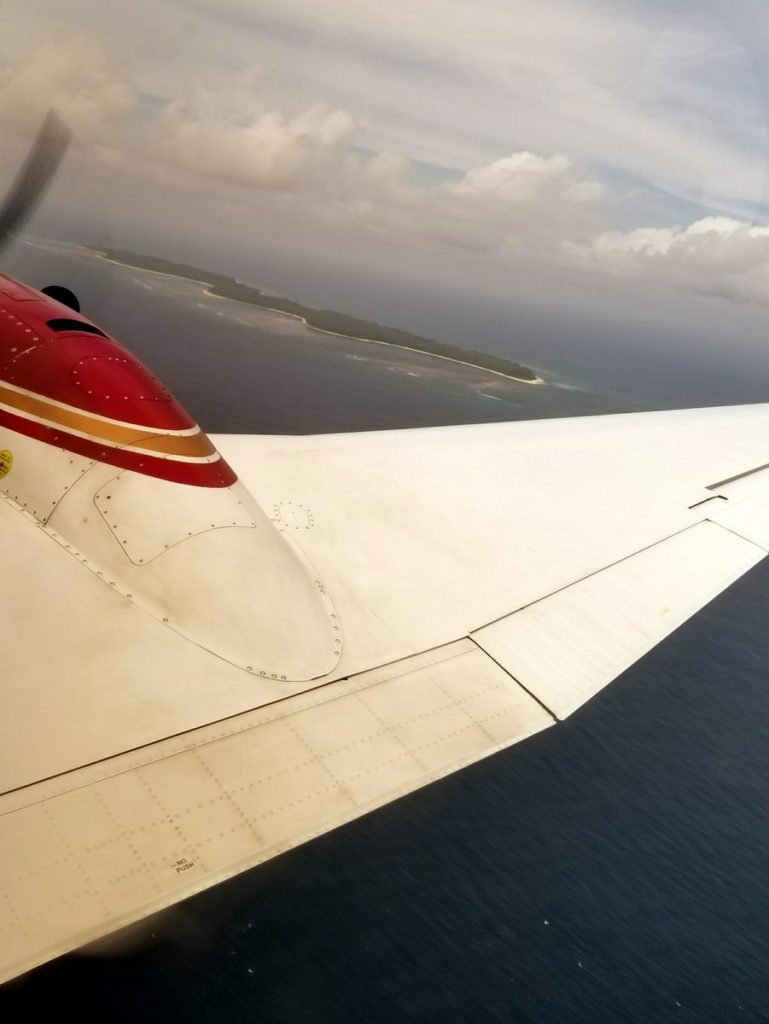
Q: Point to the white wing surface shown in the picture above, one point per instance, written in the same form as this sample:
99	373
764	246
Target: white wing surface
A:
482	582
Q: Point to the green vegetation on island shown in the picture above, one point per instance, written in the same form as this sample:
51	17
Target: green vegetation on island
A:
327	320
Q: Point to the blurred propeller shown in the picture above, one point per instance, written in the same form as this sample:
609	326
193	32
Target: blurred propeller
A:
34	177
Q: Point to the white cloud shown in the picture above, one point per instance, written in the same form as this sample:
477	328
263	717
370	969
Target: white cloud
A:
78	79
349	95
233	135
233	132
518	177
519	203
717	256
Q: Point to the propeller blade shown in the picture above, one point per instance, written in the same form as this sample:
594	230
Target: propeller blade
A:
34	177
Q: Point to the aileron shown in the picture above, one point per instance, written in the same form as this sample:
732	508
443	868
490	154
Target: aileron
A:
568	646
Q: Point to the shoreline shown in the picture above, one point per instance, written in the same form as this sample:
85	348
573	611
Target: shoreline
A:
207	290
372	341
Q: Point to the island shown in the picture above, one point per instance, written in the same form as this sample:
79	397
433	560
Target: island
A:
328	321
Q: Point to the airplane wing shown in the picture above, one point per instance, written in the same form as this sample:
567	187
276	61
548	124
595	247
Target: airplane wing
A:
481	583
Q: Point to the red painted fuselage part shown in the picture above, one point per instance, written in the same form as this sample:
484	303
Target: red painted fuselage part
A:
76	388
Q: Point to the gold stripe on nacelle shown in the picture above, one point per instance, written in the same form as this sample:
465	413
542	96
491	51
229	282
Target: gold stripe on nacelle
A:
117	434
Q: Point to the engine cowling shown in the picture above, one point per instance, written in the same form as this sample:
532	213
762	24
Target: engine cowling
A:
100	454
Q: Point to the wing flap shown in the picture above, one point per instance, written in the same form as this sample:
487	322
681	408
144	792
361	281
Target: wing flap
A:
100	853
568	646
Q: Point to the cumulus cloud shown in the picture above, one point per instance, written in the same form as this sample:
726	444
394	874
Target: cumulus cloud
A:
78	79
715	256
232	134
516	203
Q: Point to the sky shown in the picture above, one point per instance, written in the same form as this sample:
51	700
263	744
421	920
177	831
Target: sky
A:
571	153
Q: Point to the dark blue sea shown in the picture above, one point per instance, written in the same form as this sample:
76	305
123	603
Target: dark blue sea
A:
612	869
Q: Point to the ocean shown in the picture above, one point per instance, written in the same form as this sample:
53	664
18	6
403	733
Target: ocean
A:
613	869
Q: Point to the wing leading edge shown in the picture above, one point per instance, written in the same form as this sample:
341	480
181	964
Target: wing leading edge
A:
488	581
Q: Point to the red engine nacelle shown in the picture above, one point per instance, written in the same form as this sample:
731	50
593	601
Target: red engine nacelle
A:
65	382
